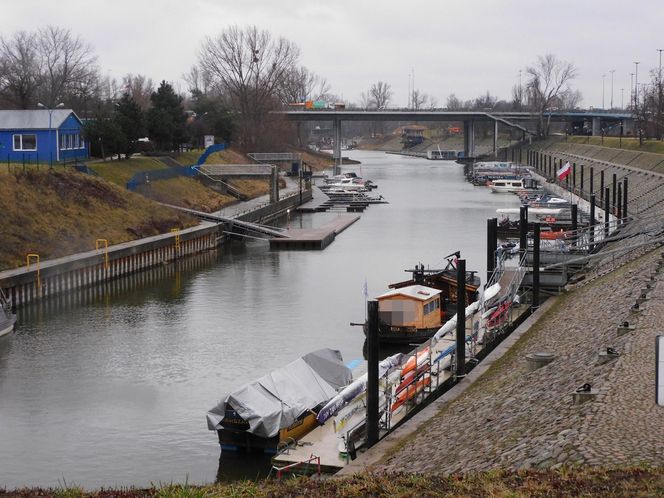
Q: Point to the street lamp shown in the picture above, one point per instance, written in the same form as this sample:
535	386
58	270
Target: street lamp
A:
636	87
603	78
622	99
612	71
50	116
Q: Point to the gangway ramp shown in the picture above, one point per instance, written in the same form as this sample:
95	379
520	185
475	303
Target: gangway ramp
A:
270	232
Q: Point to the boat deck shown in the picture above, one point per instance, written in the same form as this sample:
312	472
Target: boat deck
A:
314	238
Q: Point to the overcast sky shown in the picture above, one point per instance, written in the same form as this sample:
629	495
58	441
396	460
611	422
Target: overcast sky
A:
464	47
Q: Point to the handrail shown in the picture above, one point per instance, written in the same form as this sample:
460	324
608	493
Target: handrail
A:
287	468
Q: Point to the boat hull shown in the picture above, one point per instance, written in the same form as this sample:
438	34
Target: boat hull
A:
390	334
235	437
7	324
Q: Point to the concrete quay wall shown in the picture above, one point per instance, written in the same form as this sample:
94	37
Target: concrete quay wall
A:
49	278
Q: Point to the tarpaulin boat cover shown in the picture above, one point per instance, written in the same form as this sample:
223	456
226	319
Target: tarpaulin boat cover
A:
277	399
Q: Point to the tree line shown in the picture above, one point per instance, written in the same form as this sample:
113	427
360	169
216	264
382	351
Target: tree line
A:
238	77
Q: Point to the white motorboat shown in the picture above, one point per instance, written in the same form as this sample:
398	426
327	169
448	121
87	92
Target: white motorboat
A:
513	186
7	318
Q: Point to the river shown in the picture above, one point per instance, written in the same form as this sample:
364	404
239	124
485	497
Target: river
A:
110	386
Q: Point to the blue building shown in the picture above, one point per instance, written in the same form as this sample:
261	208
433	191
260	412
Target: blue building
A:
41	136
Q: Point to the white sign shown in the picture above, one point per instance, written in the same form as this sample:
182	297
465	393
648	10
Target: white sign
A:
659	374
208	140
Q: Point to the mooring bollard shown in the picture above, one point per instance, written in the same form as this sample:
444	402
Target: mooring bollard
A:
583	393
625	328
607	355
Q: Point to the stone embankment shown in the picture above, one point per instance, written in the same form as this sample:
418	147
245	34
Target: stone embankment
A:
516	418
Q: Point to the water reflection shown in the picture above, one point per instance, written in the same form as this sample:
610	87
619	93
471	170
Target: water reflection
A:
241	466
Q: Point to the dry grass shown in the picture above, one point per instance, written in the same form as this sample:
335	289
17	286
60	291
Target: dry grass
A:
55	213
565	482
228	156
120	172
655	146
186	192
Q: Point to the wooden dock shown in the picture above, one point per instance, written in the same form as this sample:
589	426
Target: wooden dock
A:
313	238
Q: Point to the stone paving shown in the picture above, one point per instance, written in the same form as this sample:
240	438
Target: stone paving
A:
512	418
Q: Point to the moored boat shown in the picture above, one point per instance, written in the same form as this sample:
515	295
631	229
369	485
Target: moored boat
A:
280	407
415	309
514	186
7	318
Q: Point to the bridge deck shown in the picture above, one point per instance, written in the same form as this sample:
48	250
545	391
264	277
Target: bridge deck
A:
313	238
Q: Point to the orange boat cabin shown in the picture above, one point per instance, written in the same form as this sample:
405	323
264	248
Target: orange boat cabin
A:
415	306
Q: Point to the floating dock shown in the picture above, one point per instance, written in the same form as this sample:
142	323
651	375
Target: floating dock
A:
313	238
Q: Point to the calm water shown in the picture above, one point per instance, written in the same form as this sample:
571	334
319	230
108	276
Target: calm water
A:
110	387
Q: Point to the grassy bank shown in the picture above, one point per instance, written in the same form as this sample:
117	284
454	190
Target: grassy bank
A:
588	482
56	212
655	146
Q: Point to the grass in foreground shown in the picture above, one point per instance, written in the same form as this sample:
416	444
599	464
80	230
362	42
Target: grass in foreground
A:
587	481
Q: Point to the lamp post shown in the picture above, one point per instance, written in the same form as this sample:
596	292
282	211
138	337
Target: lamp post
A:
631	88
636	87
612	71
603	79
50	117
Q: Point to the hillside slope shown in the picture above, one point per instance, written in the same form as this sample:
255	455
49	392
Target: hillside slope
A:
55	213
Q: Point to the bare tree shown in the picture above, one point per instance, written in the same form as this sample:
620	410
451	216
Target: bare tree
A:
380	95
69	65
198	80
453	103
300	85
421	100
140	88
248	65
20	70
548	78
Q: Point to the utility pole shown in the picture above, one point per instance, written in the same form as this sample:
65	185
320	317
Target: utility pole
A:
603	79
659	95
622	99
631	89
612	71
636	87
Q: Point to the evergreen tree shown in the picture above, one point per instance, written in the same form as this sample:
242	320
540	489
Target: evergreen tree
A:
166	119
130	119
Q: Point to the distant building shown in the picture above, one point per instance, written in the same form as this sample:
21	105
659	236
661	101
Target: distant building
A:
31	136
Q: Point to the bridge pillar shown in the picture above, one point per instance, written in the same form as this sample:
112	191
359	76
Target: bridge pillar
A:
336	152
596	127
469	138
495	137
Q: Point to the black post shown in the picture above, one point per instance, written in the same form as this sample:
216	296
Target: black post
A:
536	265
581	186
592	220
575	217
592	181
624	211
491	246
372	373
461	319
601	185
619	205
523	229
615	191
607	209
573	176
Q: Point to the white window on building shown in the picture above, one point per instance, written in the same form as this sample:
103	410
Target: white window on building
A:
25	142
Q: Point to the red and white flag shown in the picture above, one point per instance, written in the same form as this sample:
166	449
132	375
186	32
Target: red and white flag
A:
564	171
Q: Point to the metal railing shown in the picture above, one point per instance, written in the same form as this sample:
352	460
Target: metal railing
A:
293	466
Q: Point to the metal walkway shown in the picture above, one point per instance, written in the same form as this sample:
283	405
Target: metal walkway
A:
244	225
266	157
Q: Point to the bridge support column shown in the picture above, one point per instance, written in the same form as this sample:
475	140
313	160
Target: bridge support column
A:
469	138
495	137
336	153
596	127
274	185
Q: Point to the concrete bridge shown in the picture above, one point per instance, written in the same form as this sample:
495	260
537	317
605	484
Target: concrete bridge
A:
469	118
